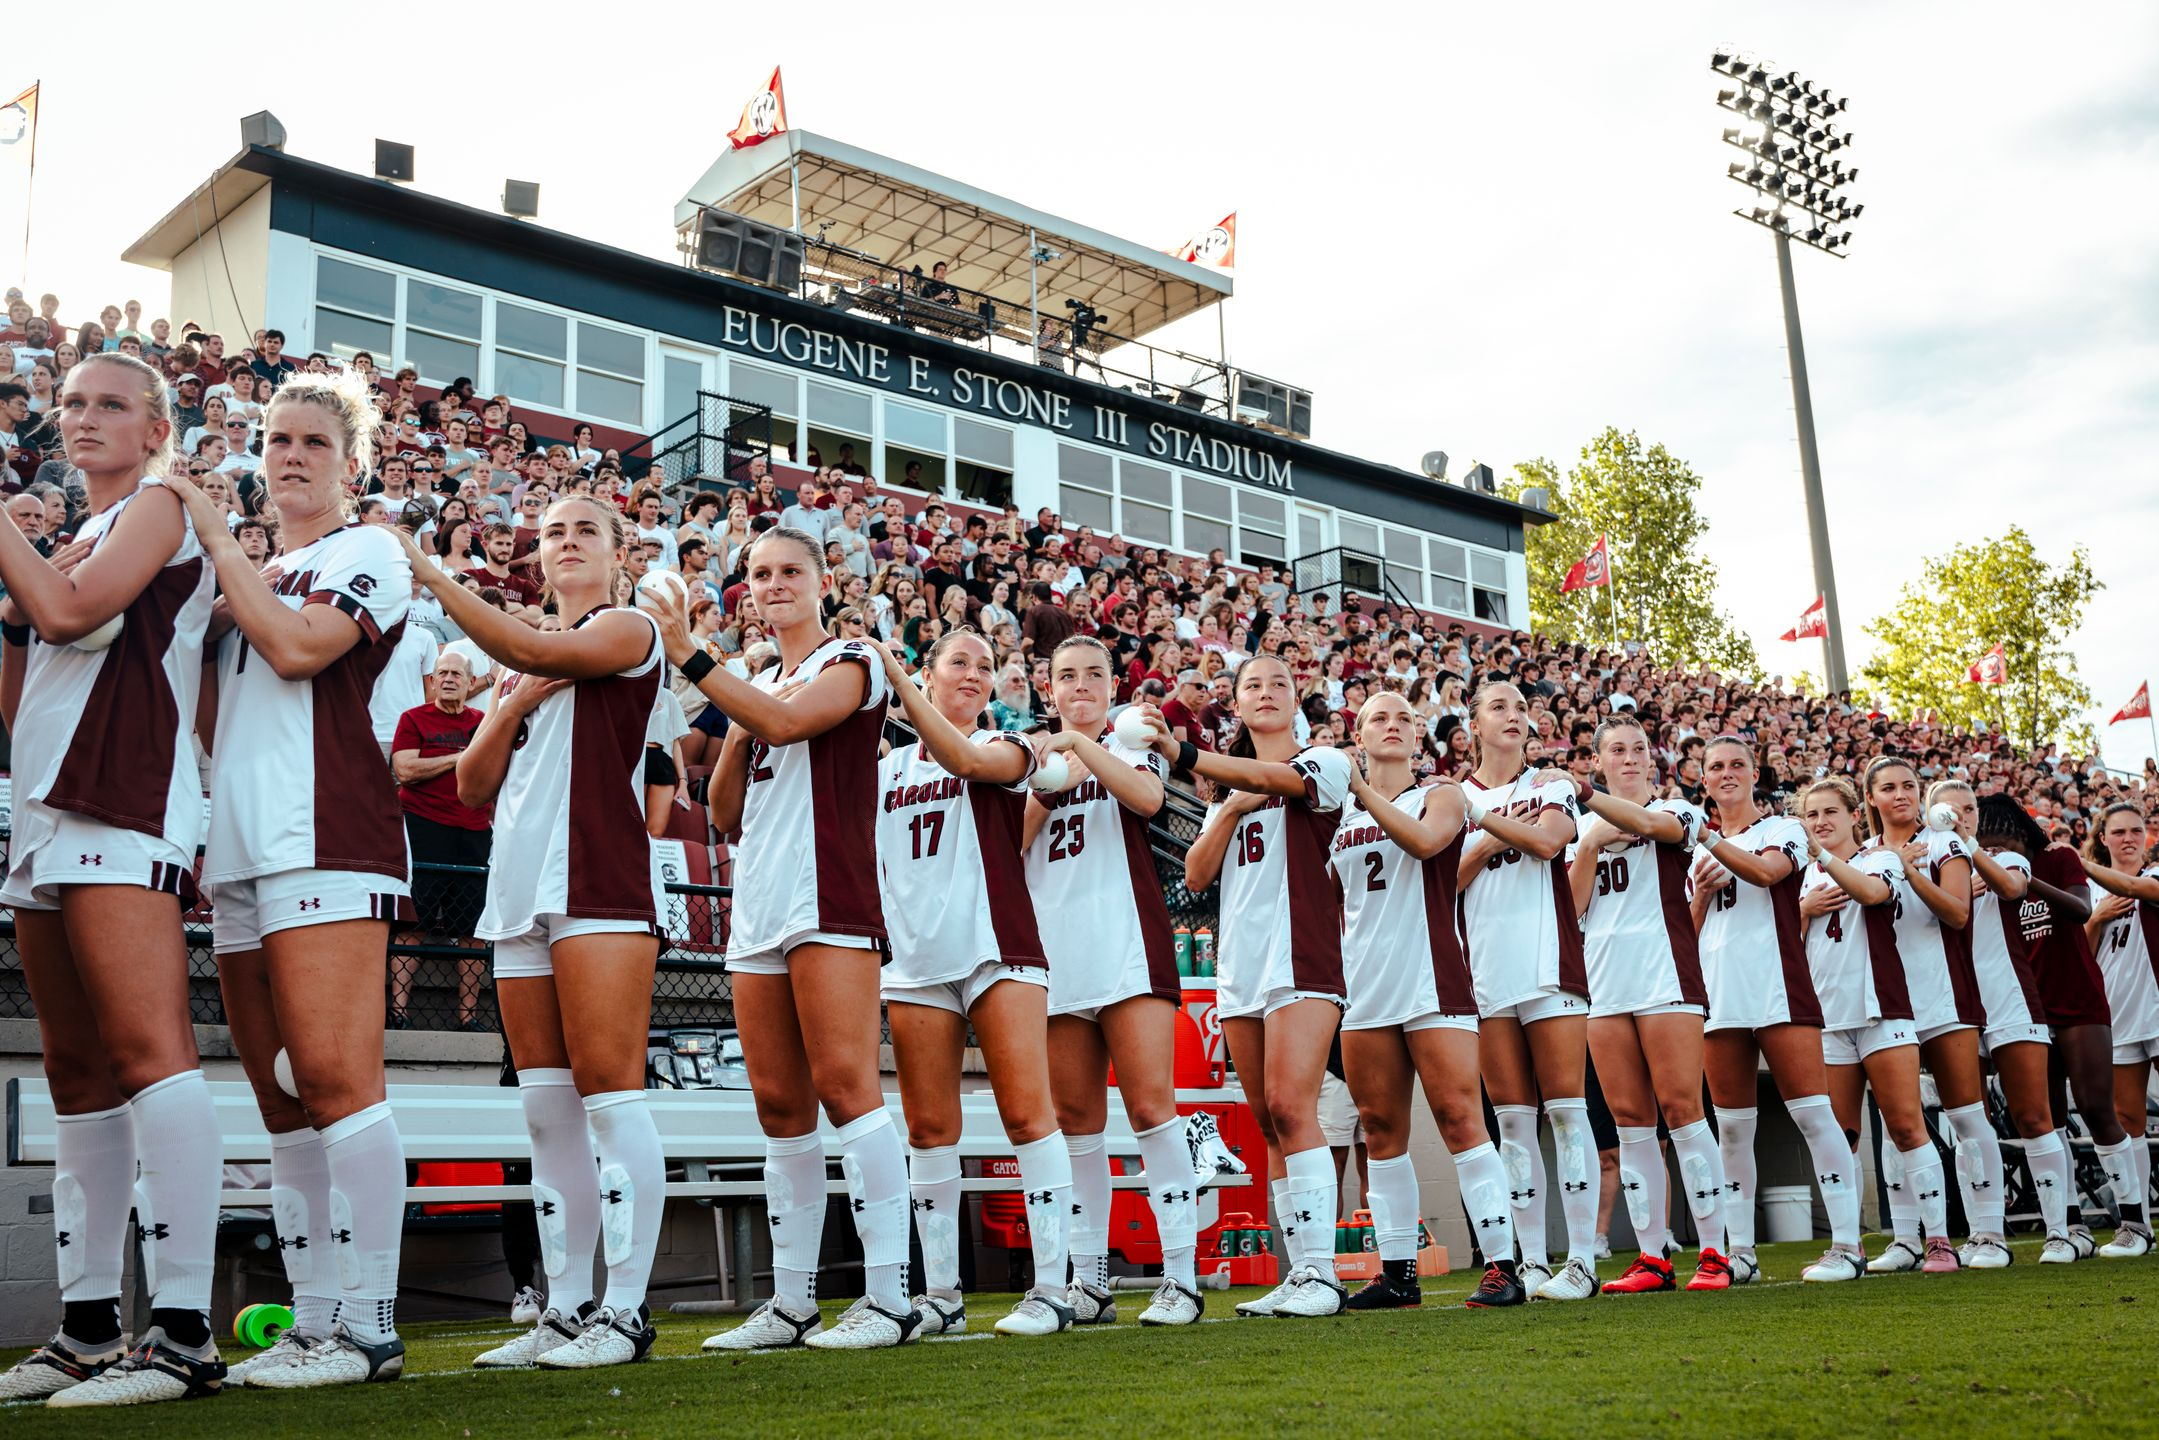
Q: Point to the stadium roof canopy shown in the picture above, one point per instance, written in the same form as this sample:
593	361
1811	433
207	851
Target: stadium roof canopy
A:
906	216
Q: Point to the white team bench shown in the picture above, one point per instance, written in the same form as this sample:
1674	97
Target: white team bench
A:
701	1132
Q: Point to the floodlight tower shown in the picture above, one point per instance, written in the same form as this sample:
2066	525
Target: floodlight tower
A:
1795	165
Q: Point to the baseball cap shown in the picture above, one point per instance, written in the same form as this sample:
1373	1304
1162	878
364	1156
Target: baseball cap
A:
190	375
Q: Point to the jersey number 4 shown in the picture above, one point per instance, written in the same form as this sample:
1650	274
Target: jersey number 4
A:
1068	836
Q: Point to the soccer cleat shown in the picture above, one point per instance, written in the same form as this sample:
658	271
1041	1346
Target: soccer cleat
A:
1385	1292
526	1306
1835	1265
770	1328
148	1374
1036	1314
53	1367
1984	1255
1532	1274
1711	1272
1265	1304
2057	1251
2131	1240
1575	1281
288	1349
1499	1288
865	1327
1901	1254
1312	1293
553	1332
2080	1236
938	1316
1647	1274
1941	1257
1212	1159
1745	1268
1173	1305
1090	1306
340	1360
610	1337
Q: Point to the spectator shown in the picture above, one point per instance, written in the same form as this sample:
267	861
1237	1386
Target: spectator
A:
442	830
403	681
652	527
1045	625
936	289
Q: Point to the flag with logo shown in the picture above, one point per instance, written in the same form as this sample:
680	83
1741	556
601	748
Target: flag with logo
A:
1991	668
1813	622
1216	246
18	129
1591	570
2138	708
764	117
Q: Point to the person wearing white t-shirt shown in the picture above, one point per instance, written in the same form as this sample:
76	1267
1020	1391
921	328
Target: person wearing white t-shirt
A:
652	528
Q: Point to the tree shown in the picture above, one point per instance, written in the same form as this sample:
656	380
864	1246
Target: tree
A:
1966	601
1663	588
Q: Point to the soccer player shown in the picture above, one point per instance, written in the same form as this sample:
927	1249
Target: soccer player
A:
2015	1041
108	809
1847	902
1762	1004
1412	1006
1280	963
796	776
1113	986
1525	953
1628	876
1932	919
573	905
306	861
2124	933
966	953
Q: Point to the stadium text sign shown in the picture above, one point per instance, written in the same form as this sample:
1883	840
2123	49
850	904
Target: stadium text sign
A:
967	389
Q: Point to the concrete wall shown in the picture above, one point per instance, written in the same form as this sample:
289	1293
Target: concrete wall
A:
220	280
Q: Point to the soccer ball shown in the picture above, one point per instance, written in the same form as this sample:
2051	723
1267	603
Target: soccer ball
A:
667	588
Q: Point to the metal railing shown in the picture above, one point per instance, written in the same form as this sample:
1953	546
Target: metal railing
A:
715	442
1338	569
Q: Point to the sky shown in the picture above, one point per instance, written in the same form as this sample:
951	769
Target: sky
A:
1491	230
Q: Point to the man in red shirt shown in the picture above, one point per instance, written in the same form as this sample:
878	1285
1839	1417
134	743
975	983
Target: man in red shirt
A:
1182	710
442	830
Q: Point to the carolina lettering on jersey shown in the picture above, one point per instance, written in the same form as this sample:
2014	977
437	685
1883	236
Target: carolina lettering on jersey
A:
1087	790
1362	835
935	792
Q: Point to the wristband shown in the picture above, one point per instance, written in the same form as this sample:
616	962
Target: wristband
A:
1187	755
1474	810
16	635
698	666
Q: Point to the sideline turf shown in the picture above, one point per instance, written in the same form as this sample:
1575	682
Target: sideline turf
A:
2068	1350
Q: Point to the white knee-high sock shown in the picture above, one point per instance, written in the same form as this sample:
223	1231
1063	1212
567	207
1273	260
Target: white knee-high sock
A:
1923	1178
1171	1191
2049	1164
795	1206
93	1185
1701	1166
565	1186
1483	1178
1308	1224
1391	1187
2121	1168
1089	1231
1979	1169
176	1146
300	1204
1642	1186
633	1192
1523	1156
1580	1179
2140	1150
367	1218
1903	1205
1046	1176
1817	1122
1735	1142
875	1164
933	1184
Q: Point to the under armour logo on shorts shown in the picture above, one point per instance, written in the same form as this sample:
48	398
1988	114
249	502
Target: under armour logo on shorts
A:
310	904
91	860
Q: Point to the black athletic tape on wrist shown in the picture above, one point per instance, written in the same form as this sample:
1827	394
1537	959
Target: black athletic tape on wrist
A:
16	635
1187	754
698	666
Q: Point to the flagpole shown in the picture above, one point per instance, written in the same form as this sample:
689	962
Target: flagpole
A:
794	181
30	181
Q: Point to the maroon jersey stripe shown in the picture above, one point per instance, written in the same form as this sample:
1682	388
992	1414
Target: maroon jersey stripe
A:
1800	1000
1891	992
1315	912
1573	968
1154	926
1450	962
998	815
610	855
1672	870
358	823
843	770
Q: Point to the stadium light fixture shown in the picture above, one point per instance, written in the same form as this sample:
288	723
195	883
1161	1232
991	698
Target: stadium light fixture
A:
1797	183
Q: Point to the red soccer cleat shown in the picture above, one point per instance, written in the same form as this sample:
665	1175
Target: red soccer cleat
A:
1714	1273
1647	1273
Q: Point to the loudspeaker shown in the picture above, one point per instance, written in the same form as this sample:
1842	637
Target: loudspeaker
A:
760	254
521	198
787	267
759	248
392	160
1480	479
261	128
719	240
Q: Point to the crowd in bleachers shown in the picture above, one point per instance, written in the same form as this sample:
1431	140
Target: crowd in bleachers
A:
470	474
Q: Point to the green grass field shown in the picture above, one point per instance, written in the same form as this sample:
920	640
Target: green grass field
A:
2071	1350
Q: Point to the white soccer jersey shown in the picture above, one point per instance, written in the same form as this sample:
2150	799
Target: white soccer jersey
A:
298	780
1754	956
1518	917
1281	928
1937	961
1091	870
2001	959
1852	952
1638	942
402	685
1401	936
950	869
2126	960
808	858
109	734
570	835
